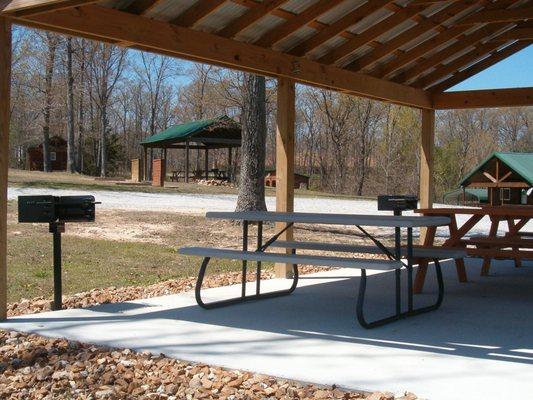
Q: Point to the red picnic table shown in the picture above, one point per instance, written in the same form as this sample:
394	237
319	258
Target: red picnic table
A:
489	246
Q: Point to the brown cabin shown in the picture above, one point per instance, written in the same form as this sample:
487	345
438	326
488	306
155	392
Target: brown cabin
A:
300	181
58	155
508	178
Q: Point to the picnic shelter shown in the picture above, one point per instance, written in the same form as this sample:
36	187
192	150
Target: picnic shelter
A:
403	52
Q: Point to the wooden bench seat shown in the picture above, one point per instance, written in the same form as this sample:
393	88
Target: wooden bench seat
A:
339	262
436	252
501	241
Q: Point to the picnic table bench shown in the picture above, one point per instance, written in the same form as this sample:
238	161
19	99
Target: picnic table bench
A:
396	259
488	247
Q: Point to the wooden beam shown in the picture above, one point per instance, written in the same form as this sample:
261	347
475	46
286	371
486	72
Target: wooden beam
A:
444	36
285	126
20	8
398	17
444	70
502	15
338	26
162	37
296	22
515	34
427	24
494	58
5	87
463	42
141	7
427	148
198	11
518	97
250	17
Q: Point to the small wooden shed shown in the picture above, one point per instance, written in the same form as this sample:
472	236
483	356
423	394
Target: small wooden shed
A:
300	181
58	155
508	177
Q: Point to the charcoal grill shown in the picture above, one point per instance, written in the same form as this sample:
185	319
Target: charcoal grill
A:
56	211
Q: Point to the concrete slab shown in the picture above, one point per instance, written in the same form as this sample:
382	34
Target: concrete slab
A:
477	346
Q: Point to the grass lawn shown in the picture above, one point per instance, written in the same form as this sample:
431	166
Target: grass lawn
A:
120	249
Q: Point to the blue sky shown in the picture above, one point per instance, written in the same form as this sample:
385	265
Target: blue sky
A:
515	71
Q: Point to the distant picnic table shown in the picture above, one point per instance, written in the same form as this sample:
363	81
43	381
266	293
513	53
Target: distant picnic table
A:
489	246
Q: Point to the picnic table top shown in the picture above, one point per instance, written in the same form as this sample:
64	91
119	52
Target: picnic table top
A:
524	211
333	219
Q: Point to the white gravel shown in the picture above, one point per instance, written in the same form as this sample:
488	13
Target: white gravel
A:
201	203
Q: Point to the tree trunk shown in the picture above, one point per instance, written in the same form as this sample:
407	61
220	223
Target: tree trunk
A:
103	147
70	110
254	132
48	78
81	117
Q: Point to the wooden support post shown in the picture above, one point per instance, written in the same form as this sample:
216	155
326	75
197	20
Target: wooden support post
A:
427	147
145	164
187	161
5	89
206	163
230	162
285	122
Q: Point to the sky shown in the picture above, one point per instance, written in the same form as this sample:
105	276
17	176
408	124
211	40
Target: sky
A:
514	71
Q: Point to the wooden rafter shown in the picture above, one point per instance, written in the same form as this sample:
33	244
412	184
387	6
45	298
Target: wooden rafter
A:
494	16
21	8
142	7
250	17
338	26
487	62
296	22
409	35
442	71
401	15
198	11
165	38
463	42
423	48
515	34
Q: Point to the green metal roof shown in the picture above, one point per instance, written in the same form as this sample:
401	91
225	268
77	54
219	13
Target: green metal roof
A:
222	128
481	194
520	163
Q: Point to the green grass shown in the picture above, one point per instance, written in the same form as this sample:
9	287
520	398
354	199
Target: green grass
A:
90	263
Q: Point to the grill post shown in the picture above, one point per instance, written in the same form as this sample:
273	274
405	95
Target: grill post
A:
57	228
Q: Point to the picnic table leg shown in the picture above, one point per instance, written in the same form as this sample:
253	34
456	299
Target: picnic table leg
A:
492	234
459	262
423	265
513	231
244	262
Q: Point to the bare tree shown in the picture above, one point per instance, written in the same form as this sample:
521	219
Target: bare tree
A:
70	108
51	43
106	66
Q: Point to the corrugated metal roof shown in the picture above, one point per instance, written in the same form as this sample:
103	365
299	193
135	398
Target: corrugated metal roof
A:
231	10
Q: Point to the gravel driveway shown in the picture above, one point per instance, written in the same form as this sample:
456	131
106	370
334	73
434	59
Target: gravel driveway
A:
201	203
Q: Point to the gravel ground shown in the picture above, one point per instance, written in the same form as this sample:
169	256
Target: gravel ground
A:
201	203
34	367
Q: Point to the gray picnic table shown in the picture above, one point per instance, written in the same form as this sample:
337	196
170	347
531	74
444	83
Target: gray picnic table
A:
397	258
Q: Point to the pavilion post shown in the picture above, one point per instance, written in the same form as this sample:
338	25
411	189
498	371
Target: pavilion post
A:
187	161
5	92
145	166
285	122
230	166
427	148
206	163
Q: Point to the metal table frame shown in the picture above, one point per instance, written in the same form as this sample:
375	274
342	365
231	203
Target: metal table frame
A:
248	218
